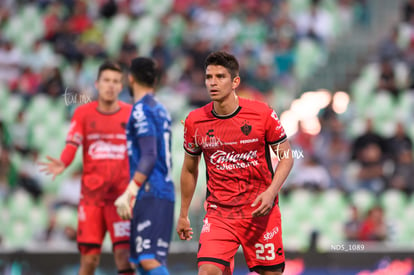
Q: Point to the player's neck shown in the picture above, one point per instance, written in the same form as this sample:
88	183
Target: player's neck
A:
226	107
141	91
108	107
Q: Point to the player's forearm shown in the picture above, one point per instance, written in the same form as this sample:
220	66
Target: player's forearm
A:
283	151
148	158
281	173
188	186
68	154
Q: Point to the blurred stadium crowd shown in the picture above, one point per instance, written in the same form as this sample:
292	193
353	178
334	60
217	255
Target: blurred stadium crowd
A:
354	173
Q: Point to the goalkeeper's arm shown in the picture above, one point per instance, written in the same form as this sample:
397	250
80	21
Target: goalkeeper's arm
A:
125	203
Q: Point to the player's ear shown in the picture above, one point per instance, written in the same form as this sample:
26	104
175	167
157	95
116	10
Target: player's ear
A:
236	82
130	79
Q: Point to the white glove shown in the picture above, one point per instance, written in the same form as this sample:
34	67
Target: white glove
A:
125	203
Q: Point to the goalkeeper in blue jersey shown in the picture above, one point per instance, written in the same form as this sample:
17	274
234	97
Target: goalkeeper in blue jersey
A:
149	197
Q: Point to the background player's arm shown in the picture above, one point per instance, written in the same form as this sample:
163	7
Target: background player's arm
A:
189	175
56	166
267	198
125	202
74	138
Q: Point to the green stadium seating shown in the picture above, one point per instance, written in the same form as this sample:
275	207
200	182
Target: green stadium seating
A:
331	234
404	107
394	202
381	105
331	199
319	217
115	30
4	216
386	128
295	235
301	200
19	204
143	32
404	35
66	216
4	97
16	159
309	56
362	89
363	200
38	109
32	16
40	136
38	217
157	8
334	230
175	31
298	6
12	28
18	235
11	109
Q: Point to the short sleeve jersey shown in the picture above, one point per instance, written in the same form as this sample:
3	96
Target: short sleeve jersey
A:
150	118
237	154
105	161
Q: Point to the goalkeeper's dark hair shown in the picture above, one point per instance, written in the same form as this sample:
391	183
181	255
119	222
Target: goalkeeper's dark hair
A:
224	59
109	65
145	71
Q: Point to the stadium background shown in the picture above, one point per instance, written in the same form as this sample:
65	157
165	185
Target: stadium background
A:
356	66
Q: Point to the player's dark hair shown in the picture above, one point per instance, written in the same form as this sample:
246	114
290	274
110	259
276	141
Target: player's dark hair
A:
109	65
144	70
224	59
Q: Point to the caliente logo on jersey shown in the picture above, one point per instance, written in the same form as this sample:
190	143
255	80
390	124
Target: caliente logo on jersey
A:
106	150
229	161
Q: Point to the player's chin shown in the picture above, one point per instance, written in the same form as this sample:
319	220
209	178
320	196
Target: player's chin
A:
109	99
110	95
215	97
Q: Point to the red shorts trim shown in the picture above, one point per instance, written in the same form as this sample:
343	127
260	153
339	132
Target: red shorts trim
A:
89	249
226	267
260	238
93	223
120	245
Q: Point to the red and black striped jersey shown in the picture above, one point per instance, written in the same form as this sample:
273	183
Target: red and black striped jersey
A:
105	160
237	154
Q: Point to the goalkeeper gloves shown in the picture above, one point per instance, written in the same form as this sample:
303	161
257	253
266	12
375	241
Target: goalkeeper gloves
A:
125	203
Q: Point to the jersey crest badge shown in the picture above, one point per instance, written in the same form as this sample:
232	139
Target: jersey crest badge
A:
246	128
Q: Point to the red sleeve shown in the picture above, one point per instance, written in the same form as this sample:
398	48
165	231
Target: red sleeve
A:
274	130
75	135
190	142
74	138
68	154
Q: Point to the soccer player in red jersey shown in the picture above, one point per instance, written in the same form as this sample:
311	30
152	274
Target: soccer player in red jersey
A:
235	136
99	126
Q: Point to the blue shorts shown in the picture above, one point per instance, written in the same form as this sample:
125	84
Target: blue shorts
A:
151	229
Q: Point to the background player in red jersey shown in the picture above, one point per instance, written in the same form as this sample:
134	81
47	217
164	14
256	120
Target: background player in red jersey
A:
99	127
234	135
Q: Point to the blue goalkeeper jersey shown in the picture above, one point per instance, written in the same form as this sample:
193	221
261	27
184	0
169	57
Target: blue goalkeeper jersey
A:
150	118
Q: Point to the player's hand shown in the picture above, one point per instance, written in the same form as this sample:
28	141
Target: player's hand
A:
266	200
184	230
125	203
52	167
